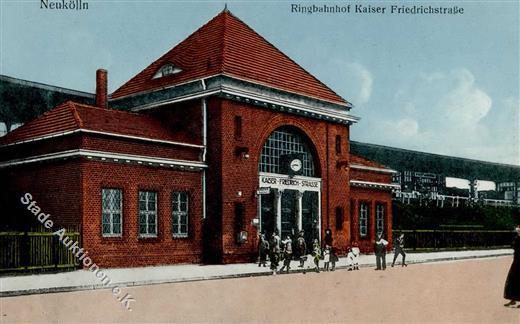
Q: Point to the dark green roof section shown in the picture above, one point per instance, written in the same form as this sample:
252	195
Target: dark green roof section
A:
450	166
22	100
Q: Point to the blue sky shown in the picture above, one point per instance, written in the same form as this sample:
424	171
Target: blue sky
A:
436	83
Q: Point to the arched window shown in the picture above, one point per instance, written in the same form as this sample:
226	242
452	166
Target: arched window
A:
165	70
283	141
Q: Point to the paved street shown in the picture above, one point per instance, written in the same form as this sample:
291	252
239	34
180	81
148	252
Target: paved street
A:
455	291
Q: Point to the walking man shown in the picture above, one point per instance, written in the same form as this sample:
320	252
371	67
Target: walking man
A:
274	249
380	249
263	250
399	249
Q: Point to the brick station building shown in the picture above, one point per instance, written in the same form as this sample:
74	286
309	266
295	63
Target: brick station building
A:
220	139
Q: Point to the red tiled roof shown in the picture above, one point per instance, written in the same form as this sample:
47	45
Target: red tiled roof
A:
227	45
71	116
356	159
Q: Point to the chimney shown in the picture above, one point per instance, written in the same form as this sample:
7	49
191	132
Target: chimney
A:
101	88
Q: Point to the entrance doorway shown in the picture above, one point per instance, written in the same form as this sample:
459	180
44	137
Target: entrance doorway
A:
289	213
289	185
290	208
310	217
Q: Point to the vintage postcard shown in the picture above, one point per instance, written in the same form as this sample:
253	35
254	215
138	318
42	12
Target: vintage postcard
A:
259	161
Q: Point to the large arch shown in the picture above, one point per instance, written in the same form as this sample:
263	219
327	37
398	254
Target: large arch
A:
290	199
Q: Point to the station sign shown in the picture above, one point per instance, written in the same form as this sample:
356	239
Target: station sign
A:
285	182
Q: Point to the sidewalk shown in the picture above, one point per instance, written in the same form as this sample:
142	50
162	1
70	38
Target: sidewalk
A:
124	277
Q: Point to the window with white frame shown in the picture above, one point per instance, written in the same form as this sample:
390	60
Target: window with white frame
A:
363	219
147	213
112	211
180	214
380	218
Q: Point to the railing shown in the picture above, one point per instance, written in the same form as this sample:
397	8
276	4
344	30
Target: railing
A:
455	239
440	200
35	251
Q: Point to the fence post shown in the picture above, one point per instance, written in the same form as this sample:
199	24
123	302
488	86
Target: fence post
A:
55	250
415	239
25	250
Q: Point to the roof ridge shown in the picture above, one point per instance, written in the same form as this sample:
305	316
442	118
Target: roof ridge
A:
362	158
225	12
75	113
77	104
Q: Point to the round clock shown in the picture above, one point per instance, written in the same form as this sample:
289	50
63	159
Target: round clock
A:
296	165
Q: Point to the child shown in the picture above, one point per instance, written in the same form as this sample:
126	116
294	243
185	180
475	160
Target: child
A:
326	258
352	257
301	249
287	253
333	258
316	252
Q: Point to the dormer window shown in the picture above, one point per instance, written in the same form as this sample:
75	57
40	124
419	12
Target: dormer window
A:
165	70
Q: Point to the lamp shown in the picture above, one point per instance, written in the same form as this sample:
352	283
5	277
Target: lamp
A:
242	152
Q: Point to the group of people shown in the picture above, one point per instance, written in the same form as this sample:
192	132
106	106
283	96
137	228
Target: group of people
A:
286	250
380	251
282	250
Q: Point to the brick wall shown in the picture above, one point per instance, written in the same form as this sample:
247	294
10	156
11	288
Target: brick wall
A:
240	175
371	197
129	249
56	187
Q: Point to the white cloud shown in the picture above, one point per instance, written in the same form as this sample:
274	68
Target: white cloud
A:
465	104
361	80
351	80
450	113
406	127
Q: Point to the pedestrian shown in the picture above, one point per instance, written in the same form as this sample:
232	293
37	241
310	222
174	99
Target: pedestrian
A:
512	287
263	250
316	253
380	251
301	248
287	253
399	249
326	258
274	251
353	257
329	240
328	237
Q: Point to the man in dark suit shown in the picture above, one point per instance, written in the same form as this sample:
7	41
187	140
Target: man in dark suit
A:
380	250
399	249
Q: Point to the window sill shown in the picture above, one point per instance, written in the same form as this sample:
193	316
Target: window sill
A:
109	236
147	236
